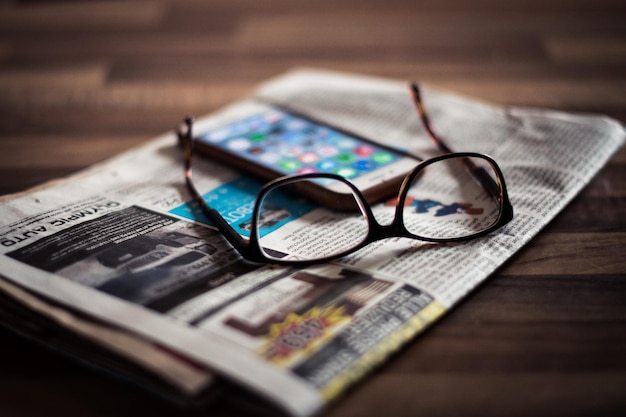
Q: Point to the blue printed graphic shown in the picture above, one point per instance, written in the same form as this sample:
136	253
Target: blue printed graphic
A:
235	202
425	206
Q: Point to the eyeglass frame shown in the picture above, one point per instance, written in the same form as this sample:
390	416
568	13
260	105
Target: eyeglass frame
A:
250	249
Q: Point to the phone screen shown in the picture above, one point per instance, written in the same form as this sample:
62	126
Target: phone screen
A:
290	144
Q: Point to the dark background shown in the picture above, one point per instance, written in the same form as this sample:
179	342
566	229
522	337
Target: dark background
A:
81	81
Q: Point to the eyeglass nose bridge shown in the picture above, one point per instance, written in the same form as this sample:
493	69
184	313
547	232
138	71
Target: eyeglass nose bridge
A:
378	231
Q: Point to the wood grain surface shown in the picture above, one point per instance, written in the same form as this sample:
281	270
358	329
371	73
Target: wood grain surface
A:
82	81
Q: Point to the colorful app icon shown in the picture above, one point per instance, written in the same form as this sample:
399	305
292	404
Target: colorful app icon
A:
239	144
257	136
364	165
308	158
217	135
382	157
289	165
328	151
346	143
306	170
255	150
292	151
327	166
345	157
346	172
270	158
363	150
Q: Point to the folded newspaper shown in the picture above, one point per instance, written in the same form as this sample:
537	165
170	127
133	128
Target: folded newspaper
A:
115	256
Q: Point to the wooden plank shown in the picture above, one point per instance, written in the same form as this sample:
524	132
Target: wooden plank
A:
582	49
78	76
83	16
128	96
512	394
592	215
414	29
445	68
571	253
63	151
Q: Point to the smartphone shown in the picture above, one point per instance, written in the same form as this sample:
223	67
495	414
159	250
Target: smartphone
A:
271	142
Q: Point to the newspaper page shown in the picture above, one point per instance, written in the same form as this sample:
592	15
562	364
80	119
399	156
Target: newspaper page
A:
136	359
122	242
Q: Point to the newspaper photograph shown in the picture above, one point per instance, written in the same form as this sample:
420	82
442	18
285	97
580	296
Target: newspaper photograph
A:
123	241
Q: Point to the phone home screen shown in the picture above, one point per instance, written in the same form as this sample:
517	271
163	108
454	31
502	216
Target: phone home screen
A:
293	145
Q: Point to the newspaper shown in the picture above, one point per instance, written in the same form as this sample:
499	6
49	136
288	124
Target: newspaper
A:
120	243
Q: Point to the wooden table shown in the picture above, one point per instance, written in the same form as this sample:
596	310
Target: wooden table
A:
546	335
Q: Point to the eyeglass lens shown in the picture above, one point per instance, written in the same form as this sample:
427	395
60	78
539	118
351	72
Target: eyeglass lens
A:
317	232
452	198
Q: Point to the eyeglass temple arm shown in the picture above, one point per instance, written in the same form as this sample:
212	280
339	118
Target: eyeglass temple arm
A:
231	235
421	112
479	173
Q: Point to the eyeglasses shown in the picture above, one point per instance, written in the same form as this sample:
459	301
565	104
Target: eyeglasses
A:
450	198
